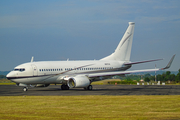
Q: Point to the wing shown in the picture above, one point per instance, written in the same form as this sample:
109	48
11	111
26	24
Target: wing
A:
129	72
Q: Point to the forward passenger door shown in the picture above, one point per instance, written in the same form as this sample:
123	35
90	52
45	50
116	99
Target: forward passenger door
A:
35	70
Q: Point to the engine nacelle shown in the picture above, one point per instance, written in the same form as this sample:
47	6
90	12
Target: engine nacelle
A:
78	82
42	85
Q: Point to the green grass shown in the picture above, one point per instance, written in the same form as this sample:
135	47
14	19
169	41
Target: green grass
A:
104	82
6	82
90	107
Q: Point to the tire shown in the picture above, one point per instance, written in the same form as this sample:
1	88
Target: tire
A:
90	87
64	87
25	89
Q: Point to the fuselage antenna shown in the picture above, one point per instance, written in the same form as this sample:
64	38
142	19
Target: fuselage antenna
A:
32	59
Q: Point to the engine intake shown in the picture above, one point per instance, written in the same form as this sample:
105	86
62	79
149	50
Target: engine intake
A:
78	82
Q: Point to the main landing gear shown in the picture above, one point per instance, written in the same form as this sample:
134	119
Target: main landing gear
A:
25	89
88	87
64	87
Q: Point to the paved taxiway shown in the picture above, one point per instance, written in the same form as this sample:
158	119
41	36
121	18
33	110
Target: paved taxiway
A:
54	90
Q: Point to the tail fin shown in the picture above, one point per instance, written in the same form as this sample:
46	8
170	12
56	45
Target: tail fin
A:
123	50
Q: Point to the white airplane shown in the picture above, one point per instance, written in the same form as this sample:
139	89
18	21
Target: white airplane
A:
79	74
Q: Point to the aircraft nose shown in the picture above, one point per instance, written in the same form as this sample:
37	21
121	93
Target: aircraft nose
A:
10	75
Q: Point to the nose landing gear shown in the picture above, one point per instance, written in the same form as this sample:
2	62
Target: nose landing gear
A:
25	89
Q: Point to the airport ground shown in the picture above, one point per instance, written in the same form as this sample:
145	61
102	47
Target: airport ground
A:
55	90
149	102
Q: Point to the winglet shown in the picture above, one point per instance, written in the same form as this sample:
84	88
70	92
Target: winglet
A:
169	64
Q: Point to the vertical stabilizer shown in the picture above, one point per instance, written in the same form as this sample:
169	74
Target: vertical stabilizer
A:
123	50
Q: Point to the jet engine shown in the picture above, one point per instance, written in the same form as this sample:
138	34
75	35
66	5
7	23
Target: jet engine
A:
78	82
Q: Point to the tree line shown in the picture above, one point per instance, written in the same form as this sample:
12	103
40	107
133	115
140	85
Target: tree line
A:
2	76
166	76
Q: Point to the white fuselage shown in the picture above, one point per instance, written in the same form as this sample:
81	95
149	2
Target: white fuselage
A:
54	72
79	74
73	74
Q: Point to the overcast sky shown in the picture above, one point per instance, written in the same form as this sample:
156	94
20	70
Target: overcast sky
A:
88	30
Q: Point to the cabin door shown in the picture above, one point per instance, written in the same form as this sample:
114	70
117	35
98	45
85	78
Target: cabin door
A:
35	71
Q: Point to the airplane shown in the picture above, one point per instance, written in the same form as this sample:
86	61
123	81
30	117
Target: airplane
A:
80	74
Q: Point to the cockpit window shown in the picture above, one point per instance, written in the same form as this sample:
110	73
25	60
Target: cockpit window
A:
19	69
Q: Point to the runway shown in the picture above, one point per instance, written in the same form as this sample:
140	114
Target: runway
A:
54	90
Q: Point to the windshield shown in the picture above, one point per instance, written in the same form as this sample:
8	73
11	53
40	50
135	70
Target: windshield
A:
19	69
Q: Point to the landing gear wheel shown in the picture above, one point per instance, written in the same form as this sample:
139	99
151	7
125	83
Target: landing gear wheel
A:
25	89
64	87
90	87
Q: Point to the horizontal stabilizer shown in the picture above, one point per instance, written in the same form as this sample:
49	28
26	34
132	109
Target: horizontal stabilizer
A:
132	63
